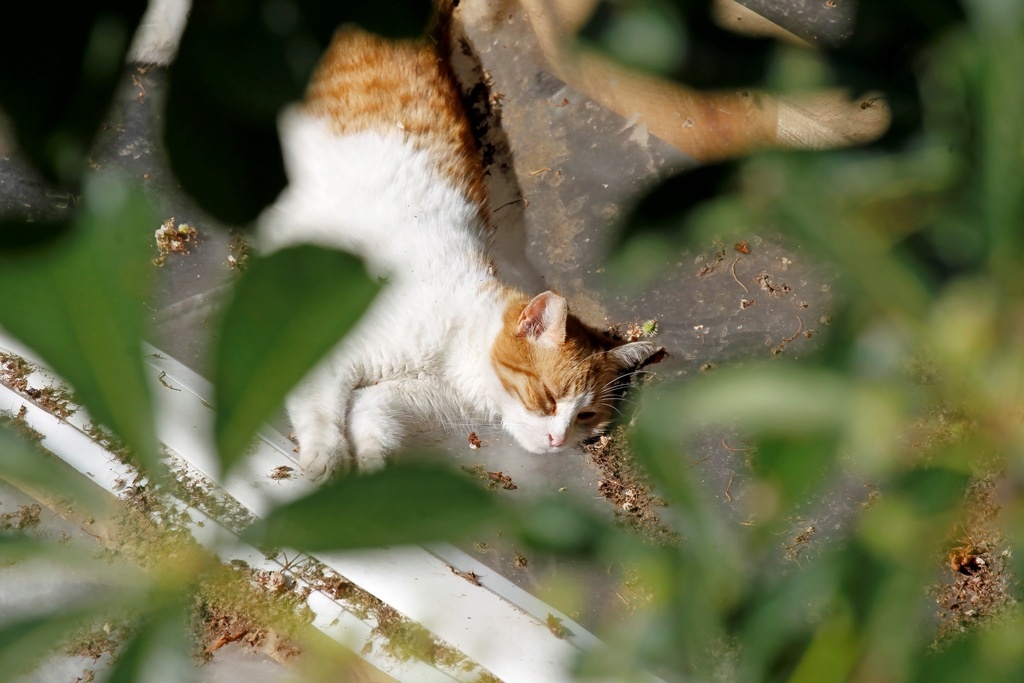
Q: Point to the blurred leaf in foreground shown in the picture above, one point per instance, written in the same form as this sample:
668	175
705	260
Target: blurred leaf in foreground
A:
69	59
158	650
35	470
239	64
27	638
77	302
24	641
287	311
409	503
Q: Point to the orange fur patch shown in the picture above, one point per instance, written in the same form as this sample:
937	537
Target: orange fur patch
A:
365	82
539	375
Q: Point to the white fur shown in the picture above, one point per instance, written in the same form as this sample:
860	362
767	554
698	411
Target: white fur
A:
420	357
156	40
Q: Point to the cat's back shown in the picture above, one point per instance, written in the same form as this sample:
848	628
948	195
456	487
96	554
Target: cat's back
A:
365	83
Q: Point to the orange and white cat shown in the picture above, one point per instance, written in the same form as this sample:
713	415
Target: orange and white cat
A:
381	161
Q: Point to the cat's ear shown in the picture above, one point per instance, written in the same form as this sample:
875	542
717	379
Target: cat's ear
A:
543	320
636	354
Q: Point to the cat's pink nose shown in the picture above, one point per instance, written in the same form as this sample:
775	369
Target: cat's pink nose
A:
556	441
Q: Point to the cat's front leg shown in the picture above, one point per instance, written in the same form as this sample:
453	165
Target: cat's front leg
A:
318	410
376	424
342	426
323	448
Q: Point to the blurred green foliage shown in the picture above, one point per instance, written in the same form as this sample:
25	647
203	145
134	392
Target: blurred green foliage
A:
91	337
81	48
313	296
925	229
918	391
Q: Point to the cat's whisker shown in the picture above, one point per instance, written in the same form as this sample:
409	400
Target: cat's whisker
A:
629	376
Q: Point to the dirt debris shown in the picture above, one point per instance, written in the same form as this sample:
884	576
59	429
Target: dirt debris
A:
262	609
712	266
625	485
99	639
641	330
192	488
282	472
405	639
978	587
15	372
794	547
777	290
16	422
174	239
239	252
27	517
557	628
503	480
494	480
468	575
230	601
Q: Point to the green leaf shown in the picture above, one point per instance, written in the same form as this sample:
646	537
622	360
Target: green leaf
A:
833	651
553	525
797	465
82	48
24	641
933	490
35	470
287	311
159	649
239	64
778	401
16	546
77	302
410	503
229	81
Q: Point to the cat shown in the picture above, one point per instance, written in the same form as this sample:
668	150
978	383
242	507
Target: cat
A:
381	161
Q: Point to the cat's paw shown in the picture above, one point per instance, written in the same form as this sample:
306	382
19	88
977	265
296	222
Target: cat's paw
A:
317	466
320	458
372	443
376	425
371	460
323	461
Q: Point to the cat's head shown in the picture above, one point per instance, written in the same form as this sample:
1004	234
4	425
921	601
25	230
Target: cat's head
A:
561	378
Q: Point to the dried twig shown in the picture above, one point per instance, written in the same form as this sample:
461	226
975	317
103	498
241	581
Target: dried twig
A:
733	269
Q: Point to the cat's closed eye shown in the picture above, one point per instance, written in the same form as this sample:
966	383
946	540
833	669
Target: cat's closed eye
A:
550	404
586	416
